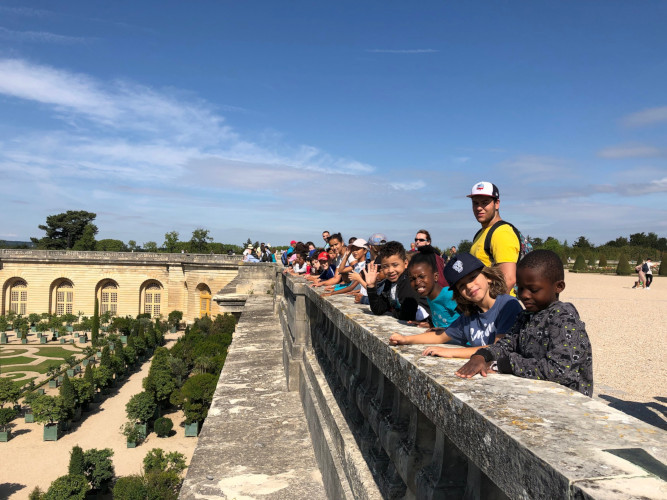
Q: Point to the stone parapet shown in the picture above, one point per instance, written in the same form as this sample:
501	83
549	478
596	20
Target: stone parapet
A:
425	433
141	258
255	441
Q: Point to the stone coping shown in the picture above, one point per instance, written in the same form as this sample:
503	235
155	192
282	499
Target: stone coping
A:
127	257
532	438
255	441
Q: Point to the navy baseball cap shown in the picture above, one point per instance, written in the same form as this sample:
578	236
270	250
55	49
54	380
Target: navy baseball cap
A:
459	266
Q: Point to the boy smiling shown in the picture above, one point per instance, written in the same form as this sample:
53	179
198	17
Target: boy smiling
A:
398	297
549	342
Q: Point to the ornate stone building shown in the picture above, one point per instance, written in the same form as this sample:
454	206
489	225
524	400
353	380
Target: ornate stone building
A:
60	282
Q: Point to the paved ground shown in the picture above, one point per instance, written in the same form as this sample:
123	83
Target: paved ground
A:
628	331
28	461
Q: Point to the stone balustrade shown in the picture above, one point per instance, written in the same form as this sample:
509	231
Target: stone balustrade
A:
387	422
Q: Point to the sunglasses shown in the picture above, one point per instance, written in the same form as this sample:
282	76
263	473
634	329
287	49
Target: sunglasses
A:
420	239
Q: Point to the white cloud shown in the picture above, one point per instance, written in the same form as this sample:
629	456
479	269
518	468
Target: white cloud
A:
532	167
39	36
645	117
631	151
408	186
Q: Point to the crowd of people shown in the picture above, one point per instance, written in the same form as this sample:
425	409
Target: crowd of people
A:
470	300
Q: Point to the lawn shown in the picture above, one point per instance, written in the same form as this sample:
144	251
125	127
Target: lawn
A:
11	351
42	367
56	352
15	360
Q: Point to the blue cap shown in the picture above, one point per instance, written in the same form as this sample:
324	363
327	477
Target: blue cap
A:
461	265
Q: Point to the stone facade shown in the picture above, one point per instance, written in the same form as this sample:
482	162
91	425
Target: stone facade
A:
131	283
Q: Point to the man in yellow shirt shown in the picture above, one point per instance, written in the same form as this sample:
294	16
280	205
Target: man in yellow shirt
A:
504	245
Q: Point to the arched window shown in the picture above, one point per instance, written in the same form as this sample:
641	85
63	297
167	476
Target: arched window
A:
109	299
65	298
18	297
204	301
153	299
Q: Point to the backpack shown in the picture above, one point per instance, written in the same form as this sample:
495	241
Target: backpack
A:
284	258
645	267
524	245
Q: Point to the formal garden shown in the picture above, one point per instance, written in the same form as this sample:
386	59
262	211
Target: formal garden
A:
68	382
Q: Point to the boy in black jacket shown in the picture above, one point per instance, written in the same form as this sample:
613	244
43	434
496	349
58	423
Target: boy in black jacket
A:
549	342
398	297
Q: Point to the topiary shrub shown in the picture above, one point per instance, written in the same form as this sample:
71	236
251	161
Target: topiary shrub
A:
663	265
130	488
72	487
579	263
603	261
623	268
163	426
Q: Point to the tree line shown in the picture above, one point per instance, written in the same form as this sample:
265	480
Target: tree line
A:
75	230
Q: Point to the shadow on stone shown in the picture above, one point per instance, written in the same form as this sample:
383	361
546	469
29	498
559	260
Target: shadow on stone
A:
652	413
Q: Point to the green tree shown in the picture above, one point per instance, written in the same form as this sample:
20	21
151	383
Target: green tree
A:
623	268
9	391
162	426
579	263
7	415
84	389
48	409
200	240
69	487
64	230
158	460
663	265
102	376
141	407
464	246
160	381
36	494
171	242
582	242
68	395
87	239
150	246
132	245
130	488
98	467
95	330
196	396
76	466
108	245
603	261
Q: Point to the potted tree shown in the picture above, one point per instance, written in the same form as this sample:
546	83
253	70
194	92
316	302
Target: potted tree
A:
132	434
6	416
27	400
9	392
140	409
49	410
174	319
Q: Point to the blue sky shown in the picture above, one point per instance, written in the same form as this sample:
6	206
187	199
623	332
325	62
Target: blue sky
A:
274	120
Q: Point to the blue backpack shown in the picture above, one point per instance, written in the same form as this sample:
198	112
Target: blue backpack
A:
524	245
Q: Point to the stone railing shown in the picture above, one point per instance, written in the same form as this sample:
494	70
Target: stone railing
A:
387	422
161	258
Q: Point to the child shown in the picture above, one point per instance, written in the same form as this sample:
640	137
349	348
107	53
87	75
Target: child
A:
357	250
549	341
425	280
488	312
398	297
325	271
299	266
338	249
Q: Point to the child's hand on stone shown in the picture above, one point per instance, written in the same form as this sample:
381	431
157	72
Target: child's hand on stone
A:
398	339
421	324
476	365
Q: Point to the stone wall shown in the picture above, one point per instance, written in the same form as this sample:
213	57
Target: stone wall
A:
416	430
182	277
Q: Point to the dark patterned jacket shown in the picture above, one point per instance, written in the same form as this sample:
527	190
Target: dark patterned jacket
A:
551	344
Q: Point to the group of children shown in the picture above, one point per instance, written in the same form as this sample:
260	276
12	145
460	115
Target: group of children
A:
544	340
